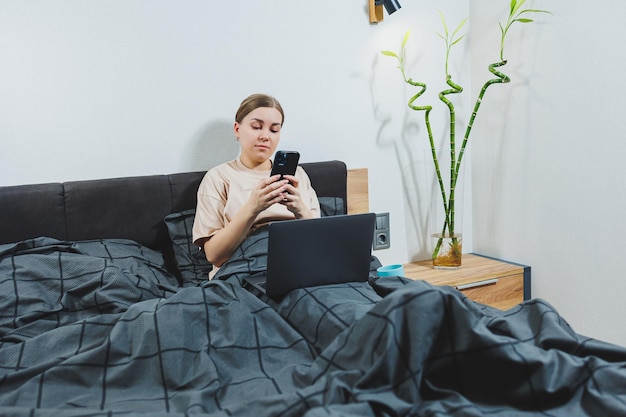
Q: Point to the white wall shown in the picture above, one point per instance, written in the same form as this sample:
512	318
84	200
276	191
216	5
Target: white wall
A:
549	155
104	88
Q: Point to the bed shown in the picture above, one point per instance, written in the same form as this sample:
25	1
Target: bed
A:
105	311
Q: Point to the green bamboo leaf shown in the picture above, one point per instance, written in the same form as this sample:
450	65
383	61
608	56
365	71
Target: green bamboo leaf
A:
457	41
460	26
443	21
390	53
406	38
515	6
534	11
523	20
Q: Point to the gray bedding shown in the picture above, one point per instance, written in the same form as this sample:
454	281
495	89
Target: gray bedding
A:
101	328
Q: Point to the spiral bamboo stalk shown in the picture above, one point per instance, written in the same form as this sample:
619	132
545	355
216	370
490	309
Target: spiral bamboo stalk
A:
501	79
448	221
450	209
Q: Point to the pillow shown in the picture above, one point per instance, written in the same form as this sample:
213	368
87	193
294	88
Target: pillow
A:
331	206
190	260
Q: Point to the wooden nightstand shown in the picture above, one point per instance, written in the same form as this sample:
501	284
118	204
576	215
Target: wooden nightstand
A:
490	281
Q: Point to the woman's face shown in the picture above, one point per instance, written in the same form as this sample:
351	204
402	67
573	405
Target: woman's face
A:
258	135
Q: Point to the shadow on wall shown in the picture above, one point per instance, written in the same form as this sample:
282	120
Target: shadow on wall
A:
398	132
213	144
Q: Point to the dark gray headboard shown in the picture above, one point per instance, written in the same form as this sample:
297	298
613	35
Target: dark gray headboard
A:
127	208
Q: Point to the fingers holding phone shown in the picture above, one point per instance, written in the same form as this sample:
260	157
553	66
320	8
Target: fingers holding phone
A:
292	185
268	192
293	200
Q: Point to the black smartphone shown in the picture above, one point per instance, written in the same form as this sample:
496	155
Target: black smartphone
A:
285	163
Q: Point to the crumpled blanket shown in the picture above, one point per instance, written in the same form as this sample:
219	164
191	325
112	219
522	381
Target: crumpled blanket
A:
101	328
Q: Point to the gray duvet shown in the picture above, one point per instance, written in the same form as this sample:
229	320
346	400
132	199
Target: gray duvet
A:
100	328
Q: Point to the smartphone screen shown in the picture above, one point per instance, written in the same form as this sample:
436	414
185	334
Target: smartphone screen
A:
285	163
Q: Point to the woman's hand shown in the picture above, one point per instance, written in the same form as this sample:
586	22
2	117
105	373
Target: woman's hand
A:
267	192
293	200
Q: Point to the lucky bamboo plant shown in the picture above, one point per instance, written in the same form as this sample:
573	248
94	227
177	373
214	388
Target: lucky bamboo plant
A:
452	257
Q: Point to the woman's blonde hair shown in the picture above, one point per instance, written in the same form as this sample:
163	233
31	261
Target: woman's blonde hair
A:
255	101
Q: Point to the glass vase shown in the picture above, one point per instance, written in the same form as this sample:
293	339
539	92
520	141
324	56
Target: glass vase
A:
447	250
446	210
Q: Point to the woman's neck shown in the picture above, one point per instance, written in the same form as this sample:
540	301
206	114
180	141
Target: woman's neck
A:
256	166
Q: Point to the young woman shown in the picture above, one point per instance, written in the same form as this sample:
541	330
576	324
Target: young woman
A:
237	197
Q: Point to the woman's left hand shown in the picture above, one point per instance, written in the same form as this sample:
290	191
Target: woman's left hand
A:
293	200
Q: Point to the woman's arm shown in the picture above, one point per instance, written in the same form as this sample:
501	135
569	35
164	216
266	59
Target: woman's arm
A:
219	247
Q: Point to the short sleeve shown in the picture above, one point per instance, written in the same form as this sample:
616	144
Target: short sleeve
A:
212	197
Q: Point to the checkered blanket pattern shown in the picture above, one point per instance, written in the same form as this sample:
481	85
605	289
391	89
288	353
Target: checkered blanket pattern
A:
101	329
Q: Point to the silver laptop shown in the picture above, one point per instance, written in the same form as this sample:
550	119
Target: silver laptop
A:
312	252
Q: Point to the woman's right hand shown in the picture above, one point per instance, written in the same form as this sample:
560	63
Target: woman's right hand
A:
267	192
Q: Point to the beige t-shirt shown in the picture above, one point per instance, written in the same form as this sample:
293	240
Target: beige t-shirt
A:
226	188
